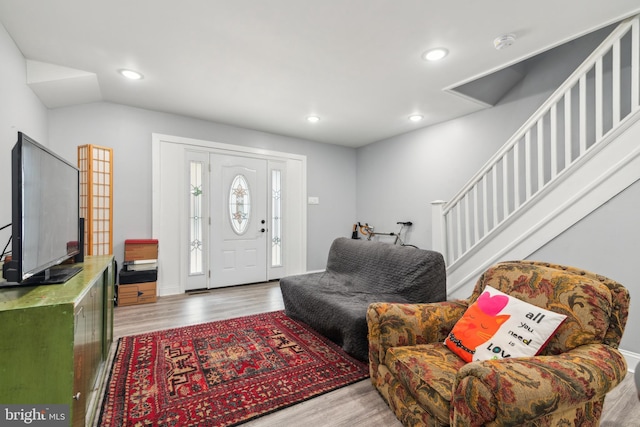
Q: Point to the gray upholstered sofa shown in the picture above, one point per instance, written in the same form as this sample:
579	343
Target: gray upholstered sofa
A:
360	272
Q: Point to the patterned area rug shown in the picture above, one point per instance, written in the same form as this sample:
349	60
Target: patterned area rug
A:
222	373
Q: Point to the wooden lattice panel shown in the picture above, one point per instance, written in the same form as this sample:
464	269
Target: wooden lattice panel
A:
96	197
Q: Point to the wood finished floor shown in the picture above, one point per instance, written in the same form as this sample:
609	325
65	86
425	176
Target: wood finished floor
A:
356	405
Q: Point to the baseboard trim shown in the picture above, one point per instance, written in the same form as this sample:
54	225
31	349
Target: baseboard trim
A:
632	360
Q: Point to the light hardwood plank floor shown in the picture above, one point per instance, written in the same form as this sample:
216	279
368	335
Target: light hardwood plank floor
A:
356	405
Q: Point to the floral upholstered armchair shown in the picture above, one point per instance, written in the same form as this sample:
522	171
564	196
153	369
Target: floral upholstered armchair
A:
426	383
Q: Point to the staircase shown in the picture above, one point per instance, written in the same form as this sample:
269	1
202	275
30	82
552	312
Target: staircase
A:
576	152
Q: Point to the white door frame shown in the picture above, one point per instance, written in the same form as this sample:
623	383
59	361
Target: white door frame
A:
169	223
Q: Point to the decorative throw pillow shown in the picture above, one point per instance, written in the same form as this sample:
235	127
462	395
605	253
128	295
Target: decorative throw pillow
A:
499	326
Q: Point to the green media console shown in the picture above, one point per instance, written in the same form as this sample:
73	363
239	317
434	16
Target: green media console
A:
55	341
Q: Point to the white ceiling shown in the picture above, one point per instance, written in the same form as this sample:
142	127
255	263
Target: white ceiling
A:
266	65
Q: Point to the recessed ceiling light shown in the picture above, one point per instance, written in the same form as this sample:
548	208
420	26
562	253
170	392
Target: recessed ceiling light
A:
416	117
435	54
313	119
130	74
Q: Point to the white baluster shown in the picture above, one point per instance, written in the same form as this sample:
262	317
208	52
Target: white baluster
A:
635	64
494	195
598	100
615	74
485	205
476	215
583	114
540	134
527	164
553	123
505	187
568	143
516	175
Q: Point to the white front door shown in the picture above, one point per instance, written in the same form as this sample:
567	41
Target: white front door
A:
239	222
197	248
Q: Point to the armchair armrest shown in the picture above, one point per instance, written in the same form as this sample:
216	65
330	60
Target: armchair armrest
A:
519	390
395	324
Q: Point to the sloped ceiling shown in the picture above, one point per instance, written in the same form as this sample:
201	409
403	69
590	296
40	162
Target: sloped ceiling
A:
58	86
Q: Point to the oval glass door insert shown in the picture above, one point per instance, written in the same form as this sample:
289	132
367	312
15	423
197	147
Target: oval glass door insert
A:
239	204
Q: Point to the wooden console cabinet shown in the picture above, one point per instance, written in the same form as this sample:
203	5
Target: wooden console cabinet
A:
55	341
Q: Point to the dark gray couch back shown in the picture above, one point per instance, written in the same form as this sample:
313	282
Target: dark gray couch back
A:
374	267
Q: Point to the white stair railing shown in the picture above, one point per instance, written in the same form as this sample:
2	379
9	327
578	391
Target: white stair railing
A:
588	106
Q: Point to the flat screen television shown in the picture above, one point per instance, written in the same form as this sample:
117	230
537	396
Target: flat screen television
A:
45	215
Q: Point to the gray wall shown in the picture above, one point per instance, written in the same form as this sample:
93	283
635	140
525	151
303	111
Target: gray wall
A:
606	242
20	110
330	168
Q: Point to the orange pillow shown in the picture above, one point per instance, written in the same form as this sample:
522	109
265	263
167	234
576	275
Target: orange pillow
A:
499	326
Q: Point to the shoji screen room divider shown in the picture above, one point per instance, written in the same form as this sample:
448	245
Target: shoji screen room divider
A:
96	198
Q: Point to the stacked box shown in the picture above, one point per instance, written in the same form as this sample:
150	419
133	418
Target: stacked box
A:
128	277
136	293
140	249
137	279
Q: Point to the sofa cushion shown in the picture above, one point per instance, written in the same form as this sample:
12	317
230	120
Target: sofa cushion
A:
499	326
428	372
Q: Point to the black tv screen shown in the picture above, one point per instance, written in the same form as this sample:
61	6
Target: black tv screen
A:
45	211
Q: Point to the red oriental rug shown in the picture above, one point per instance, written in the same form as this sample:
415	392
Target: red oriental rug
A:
222	373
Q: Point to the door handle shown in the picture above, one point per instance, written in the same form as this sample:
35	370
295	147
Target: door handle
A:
263	230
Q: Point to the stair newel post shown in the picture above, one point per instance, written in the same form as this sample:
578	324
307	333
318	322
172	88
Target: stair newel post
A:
439	229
